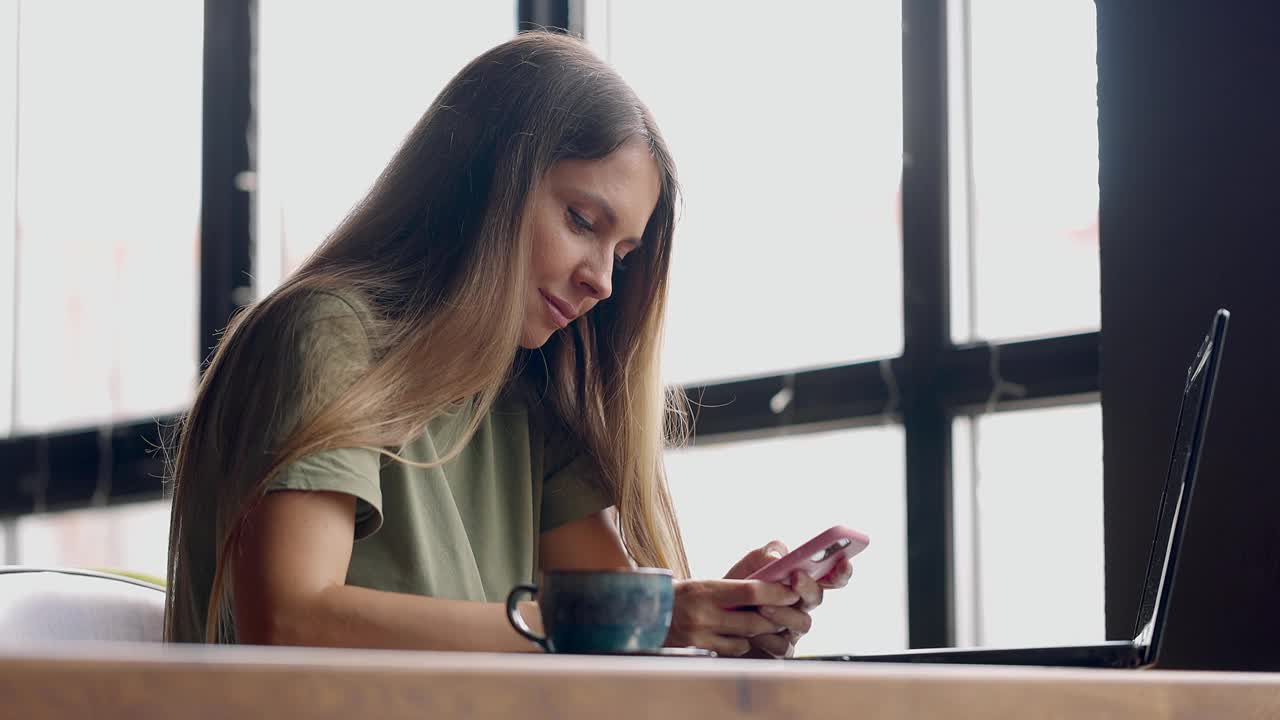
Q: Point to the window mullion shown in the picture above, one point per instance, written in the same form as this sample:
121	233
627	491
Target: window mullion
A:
926	322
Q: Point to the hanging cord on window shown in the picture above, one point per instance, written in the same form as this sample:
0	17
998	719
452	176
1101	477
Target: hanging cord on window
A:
889	414
999	386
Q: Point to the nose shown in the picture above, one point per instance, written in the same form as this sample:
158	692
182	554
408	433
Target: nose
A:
596	277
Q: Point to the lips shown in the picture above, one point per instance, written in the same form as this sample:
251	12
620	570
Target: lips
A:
561	312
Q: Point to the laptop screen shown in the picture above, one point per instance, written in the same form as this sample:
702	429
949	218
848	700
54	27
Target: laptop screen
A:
1192	416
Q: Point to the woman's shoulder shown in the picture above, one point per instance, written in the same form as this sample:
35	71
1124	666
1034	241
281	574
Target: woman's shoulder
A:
342	309
319	327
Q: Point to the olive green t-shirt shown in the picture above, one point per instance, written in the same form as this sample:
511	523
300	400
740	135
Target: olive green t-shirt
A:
464	530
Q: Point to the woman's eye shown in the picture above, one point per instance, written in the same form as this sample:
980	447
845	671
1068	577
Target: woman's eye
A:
578	221
619	263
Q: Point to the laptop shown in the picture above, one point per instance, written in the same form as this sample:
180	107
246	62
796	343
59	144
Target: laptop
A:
1162	565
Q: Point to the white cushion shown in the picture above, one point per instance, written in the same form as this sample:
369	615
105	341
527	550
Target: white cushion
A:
55	605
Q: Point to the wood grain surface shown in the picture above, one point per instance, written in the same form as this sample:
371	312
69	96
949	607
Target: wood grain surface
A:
157	681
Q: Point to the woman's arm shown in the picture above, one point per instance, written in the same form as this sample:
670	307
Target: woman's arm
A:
592	543
290	589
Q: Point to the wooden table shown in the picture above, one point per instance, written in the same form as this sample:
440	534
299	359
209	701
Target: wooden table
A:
157	681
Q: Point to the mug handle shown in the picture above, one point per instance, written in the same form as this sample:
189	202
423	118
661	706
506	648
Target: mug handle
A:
517	622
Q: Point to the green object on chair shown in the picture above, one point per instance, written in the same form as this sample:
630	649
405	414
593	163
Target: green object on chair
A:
131	574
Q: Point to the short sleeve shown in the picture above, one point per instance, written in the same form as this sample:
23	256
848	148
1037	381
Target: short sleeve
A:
328	349
352	471
571	483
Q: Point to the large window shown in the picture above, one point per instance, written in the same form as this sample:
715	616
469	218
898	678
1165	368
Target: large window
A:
1028	531
339	87
100	209
1024	169
1024	263
787	257
803	143
787	252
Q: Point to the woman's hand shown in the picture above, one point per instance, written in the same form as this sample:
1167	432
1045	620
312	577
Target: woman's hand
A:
720	615
795	619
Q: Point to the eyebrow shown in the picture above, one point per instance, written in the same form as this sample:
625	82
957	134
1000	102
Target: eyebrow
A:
609	214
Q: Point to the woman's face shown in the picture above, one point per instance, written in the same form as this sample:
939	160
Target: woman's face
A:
587	217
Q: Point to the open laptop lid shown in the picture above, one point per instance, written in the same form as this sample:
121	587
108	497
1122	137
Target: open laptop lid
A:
1193	415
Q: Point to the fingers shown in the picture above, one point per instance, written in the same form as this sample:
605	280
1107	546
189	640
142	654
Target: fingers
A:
726	646
701	618
789	618
808	589
839	575
749	593
743	623
732	634
776	645
757	559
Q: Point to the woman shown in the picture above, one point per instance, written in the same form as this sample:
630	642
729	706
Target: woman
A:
458	389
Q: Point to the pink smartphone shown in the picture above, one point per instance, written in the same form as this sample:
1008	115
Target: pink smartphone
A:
816	557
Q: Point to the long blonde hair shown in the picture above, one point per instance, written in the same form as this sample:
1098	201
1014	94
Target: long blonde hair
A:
437	255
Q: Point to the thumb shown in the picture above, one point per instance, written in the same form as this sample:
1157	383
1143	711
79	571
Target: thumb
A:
757	559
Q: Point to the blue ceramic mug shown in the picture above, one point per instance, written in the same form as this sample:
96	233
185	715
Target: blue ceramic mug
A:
599	611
